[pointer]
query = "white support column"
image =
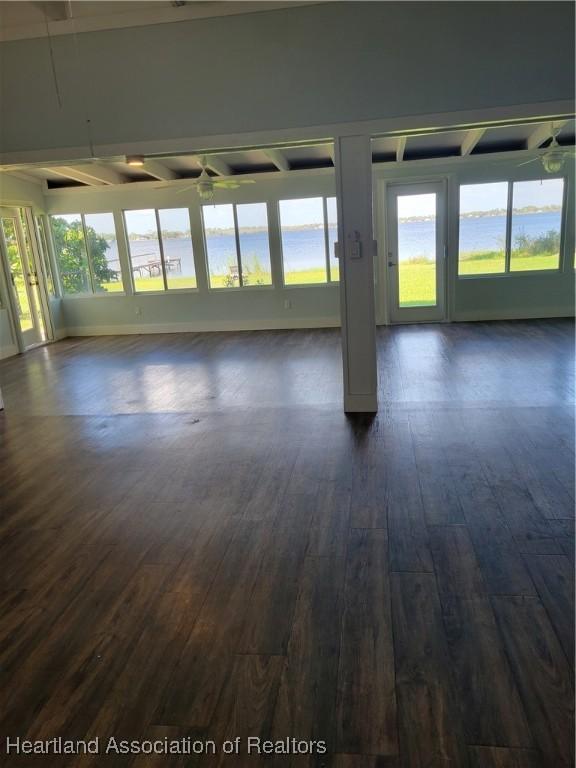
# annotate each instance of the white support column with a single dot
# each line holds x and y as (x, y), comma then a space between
(353, 161)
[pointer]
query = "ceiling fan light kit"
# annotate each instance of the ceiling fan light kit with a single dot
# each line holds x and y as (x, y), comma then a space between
(205, 186)
(553, 161)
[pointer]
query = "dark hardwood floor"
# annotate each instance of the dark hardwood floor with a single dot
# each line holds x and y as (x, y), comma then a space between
(196, 542)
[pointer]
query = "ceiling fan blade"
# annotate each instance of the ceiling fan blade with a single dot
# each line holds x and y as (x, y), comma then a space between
(168, 185)
(226, 184)
(185, 189)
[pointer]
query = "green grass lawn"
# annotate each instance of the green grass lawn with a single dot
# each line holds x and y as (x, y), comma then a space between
(417, 284)
(417, 278)
(493, 263)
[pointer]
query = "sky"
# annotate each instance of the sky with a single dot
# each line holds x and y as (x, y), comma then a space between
(292, 212)
(486, 197)
(304, 211)
(308, 211)
(142, 222)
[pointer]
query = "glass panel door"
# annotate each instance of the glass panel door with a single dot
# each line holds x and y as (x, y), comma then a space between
(23, 279)
(415, 258)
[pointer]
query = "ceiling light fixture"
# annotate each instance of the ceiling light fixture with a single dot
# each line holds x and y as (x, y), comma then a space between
(136, 161)
(205, 186)
(553, 160)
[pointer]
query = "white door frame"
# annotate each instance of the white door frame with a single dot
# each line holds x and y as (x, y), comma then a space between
(41, 256)
(33, 272)
(424, 314)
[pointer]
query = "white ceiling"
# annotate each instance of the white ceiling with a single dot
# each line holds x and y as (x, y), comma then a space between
(23, 20)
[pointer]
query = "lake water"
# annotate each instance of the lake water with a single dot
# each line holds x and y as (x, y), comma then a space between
(305, 248)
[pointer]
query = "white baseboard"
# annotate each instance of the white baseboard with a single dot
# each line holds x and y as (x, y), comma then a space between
(202, 327)
(8, 351)
(270, 325)
(514, 314)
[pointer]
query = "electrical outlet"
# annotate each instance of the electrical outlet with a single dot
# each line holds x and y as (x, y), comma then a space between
(287, 304)
(138, 310)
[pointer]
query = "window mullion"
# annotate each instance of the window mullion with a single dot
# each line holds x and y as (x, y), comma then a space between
(161, 247)
(326, 239)
(238, 254)
(87, 250)
(509, 227)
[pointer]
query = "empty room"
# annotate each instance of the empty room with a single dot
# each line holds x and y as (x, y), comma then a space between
(287, 384)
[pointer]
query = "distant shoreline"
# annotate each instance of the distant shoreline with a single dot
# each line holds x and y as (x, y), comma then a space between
(494, 213)
(529, 210)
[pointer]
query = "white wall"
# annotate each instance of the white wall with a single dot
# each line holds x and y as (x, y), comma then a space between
(15, 191)
(7, 343)
(307, 66)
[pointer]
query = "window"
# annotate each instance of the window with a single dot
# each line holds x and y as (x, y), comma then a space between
(18, 276)
(237, 245)
(177, 247)
(144, 246)
(86, 254)
(45, 256)
(71, 255)
(103, 253)
(160, 246)
(308, 226)
(510, 227)
(252, 221)
(482, 241)
(417, 249)
(536, 225)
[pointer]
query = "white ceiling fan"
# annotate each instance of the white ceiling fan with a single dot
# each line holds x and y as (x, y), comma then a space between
(554, 156)
(206, 184)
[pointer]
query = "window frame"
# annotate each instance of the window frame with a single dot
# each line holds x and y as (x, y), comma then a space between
(51, 276)
(166, 288)
(508, 273)
(91, 294)
(63, 293)
(240, 285)
(329, 281)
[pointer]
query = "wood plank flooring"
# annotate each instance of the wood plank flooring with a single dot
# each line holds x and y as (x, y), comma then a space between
(196, 542)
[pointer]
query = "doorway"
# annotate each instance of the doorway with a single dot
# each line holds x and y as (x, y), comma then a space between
(416, 255)
(22, 274)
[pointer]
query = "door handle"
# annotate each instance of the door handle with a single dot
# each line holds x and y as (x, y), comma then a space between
(391, 263)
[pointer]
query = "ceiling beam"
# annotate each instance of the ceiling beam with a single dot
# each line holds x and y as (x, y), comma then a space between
(218, 165)
(279, 159)
(25, 177)
(400, 148)
(93, 175)
(470, 140)
(55, 11)
(331, 152)
(159, 171)
(543, 133)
